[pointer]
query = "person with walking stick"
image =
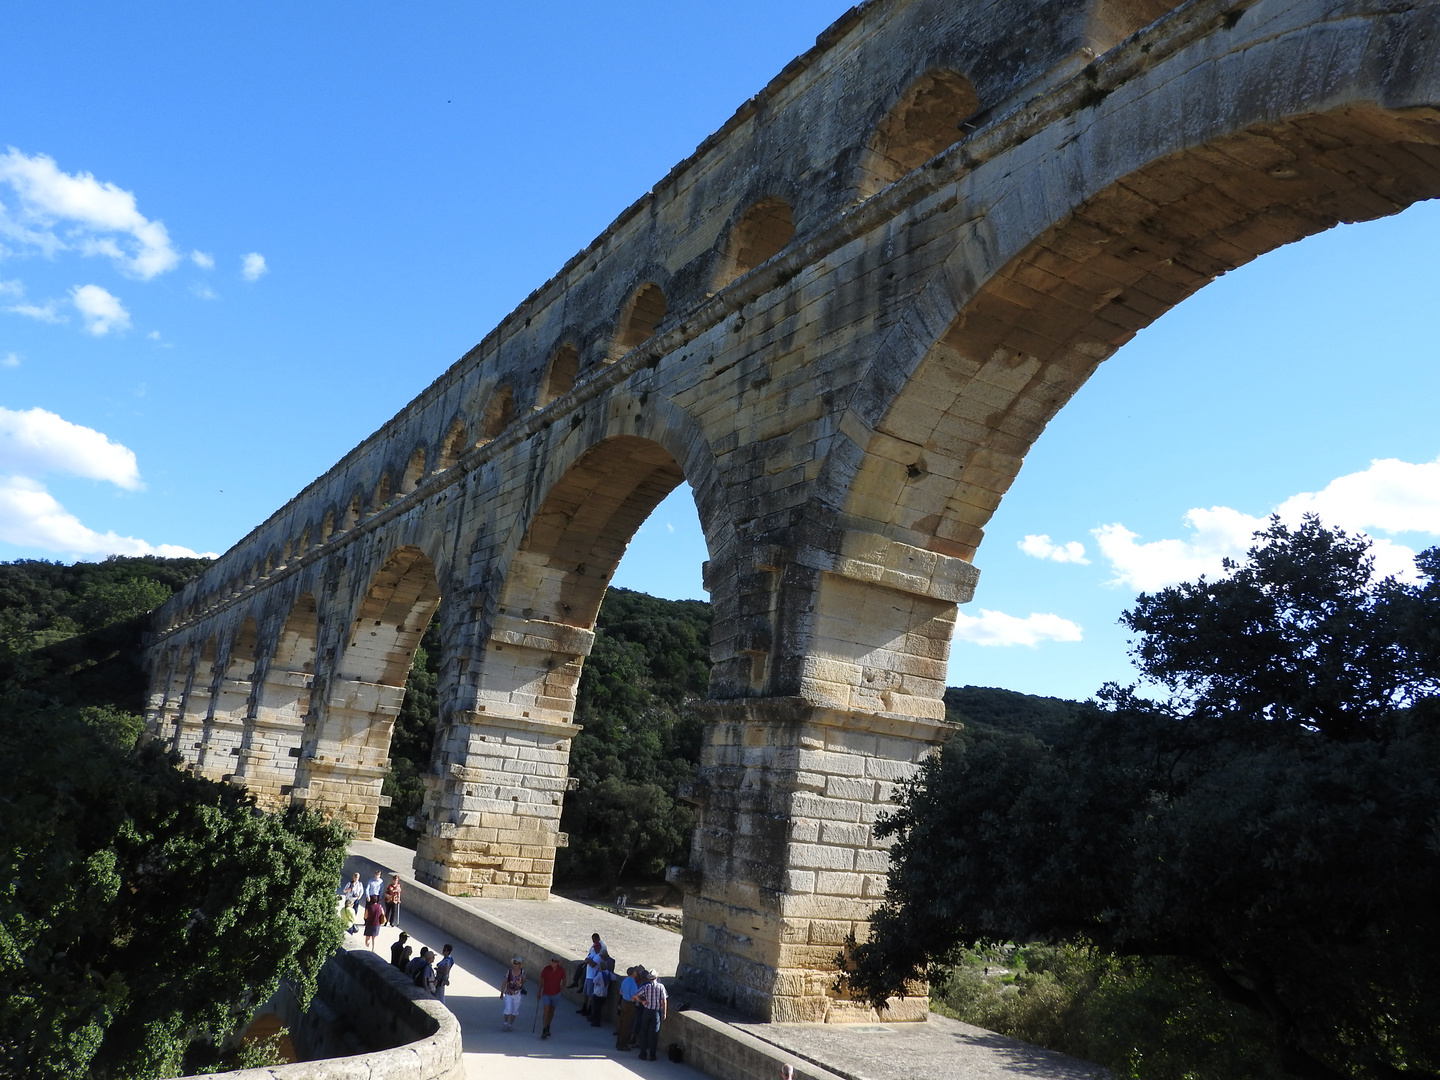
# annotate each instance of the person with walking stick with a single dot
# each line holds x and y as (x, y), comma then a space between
(552, 982)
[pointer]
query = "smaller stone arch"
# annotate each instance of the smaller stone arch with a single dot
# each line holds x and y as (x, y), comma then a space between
(1112, 21)
(924, 121)
(498, 414)
(414, 471)
(352, 514)
(560, 377)
(276, 727)
(760, 234)
(327, 525)
(639, 317)
(452, 447)
(303, 544)
(195, 705)
(380, 497)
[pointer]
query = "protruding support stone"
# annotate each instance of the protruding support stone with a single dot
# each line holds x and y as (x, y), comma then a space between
(785, 864)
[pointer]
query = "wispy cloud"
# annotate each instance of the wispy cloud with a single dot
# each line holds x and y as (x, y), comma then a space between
(10, 360)
(1040, 547)
(997, 628)
(101, 311)
(46, 312)
(1391, 496)
(51, 211)
(252, 266)
(202, 260)
(204, 292)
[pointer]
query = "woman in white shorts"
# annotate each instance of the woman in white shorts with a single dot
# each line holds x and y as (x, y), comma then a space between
(511, 991)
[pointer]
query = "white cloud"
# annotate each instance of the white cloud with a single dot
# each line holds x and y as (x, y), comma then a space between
(1040, 547)
(97, 218)
(101, 311)
(9, 360)
(36, 441)
(1390, 496)
(204, 292)
(997, 628)
(202, 260)
(12, 288)
(252, 266)
(46, 312)
(31, 517)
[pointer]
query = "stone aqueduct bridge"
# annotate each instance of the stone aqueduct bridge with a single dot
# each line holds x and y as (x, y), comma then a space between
(843, 321)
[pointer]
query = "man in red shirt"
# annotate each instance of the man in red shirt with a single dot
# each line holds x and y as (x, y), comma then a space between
(552, 982)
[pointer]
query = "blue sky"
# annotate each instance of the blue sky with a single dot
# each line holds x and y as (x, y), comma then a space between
(234, 241)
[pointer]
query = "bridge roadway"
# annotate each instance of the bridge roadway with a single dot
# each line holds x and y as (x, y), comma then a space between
(940, 1049)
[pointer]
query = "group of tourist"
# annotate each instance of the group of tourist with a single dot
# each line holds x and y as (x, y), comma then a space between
(372, 903)
(641, 1002)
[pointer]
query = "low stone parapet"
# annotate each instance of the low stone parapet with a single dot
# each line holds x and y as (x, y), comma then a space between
(368, 1020)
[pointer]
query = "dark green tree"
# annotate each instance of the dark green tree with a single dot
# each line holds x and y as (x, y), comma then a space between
(144, 912)
(1271, 826)
(411, 742)
(640, 739)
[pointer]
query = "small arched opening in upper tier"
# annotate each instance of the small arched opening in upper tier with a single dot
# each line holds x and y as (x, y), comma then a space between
(925, 121)
(414, 471)
(380, 498)
(452, 447)
(352, 515)
(560, 379)
(760, 234)
(498, 414)
(640, 316)
(1112, 21)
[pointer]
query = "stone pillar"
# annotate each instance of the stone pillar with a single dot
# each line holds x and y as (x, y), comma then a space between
(785, 865)
(492, 810)
(344, 759)
(225, 729)
(845, 634)
(274, 735)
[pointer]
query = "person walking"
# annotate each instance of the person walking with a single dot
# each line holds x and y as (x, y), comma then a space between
(511, 990)
(552, 982)
(355, 894)
(374, 919)
(374, 887)
(625, 1015)
(653, 1004)
(392, 901)
(442, 971)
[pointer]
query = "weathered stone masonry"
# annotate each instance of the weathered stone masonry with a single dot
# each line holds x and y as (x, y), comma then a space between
(843, 321)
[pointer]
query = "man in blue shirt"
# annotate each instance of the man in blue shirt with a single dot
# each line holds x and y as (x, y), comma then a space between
(625, 1021)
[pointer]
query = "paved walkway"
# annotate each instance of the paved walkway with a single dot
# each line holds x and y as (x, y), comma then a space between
(940, 1048)
(574, 1048)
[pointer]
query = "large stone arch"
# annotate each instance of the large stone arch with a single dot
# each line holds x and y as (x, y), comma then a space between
(344, 754)
(499, 771)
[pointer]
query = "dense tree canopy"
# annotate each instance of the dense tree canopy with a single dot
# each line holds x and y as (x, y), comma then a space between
(145, 911)
(1272, 824)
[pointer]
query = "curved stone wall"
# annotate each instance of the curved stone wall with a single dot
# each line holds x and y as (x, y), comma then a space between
(364, 1004)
